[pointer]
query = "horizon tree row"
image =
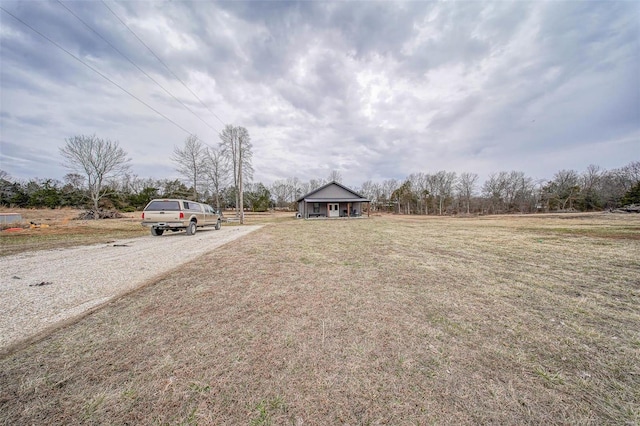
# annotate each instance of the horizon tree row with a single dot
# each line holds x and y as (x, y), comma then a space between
(445, 192)
(129, 193)
(506, 192)
(211, 179)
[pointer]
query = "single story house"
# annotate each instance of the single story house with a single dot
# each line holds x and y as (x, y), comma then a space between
(331, 200)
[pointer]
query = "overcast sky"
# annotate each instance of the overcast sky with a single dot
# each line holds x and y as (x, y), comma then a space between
(375, 90)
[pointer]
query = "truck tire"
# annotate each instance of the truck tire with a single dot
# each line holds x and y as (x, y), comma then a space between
(191, 229)
(157, 232)
(218, 225)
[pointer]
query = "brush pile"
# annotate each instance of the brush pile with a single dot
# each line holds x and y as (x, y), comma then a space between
(99, 214)
(631, 208)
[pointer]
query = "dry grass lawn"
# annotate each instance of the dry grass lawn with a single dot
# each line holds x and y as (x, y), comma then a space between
(390, 320)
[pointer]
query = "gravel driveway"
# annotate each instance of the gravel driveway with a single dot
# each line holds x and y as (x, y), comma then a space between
(43, 288)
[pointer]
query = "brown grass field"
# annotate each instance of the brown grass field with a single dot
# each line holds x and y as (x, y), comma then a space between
(389, 320)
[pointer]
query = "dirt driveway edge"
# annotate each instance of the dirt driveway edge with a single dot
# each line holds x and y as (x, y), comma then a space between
(43, 291)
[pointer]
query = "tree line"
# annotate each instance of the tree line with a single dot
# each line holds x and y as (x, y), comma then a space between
(507, 192)
(222, 176)
(101, 177)
(447, 193)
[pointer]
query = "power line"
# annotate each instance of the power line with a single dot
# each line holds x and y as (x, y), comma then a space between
(95, 70)
(136, 65)
(160, 60)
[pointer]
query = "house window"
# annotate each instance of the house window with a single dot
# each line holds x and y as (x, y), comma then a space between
(316, 207)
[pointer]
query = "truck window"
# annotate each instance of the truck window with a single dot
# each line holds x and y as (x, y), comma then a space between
(163, 206)
(192, 207)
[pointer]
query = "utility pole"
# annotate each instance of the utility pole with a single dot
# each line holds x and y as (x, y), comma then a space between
(240, 179)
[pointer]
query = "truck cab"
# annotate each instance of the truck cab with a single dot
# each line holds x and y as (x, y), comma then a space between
(175, 215)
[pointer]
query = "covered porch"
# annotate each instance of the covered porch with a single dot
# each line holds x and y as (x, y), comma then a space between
(333, 209)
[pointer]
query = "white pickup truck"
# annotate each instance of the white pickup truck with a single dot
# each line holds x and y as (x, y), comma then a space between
(174, 215)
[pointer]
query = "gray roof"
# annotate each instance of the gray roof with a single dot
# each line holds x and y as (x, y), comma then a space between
(333, 191)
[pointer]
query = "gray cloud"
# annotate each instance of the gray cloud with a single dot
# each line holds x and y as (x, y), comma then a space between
(376, 90)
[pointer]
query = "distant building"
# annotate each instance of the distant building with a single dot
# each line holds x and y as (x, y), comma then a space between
(331, 200)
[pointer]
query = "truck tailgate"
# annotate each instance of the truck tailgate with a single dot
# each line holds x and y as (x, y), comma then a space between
(165, 216)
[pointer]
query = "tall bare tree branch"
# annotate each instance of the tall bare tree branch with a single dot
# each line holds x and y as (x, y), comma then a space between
(98, 159)
(191, 161)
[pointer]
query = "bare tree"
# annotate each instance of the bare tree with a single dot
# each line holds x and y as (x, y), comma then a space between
(286, 192)
(293, 186)
(615, 183)
(229, 150)
(191, 161)
(388, 187)
(335, 176)
(99, 159)
(526, 195)
(316, 183)
(632, 172)
(217, 172)
(235, 145)
(493, 192)
(466, 187)
(590, 181)
(431, 188)
(372, 191)
(509, 191)
(518, 192)
(420, 192)
(279, 192)
(444, 184)
(129, 184)
(76, 180)
(564, 187)
(304, 188)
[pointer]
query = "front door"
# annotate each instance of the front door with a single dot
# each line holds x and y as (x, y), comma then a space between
(333, 210)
